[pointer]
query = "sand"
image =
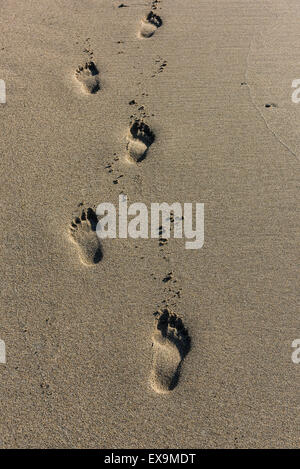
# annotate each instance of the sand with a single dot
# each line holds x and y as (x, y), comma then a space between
(142, 343)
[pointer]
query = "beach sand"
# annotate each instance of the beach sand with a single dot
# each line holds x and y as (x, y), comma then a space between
(89, 363)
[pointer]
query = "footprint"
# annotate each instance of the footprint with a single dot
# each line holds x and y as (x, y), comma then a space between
(150, 24)
(83, 234)
(88, 76)
(139, 139)
(171, 344)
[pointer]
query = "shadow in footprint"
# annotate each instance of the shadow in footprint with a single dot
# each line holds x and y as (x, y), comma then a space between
(88, 76)
(83, 234)
(171, 345)
(139, 139)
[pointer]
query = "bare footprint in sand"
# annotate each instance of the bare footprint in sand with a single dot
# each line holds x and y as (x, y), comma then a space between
(88, 76)
(150, 24)
(171, 344)
(83, 234)
(139, 139)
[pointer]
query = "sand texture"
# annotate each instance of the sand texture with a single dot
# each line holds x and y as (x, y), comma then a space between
(141, 343)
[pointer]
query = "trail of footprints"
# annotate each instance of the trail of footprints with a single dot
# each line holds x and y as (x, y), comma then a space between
(171, 341)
